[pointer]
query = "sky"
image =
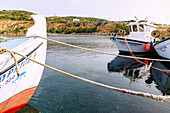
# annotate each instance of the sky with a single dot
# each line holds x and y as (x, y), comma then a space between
(115, 10)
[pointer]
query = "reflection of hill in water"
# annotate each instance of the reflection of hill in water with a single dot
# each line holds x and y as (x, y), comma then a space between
(28, 109)
(135, 70)
(129, 67)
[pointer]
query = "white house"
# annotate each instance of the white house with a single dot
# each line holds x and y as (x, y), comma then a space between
(76, 20)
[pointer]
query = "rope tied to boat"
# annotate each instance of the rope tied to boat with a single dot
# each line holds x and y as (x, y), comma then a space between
(13, 56)
(132, 56)
(165, 71)
(141, 94)
(87, 49)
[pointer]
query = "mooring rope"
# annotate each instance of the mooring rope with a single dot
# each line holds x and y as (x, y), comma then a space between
(132, 56)
(141, 94)
(17, 71)
(87, 49)
(127, 65)
(13, 56)
(165, 71)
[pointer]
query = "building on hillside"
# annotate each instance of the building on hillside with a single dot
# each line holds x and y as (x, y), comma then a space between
(76, 20)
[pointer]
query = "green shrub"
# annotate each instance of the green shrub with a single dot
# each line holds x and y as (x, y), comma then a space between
(69, 30)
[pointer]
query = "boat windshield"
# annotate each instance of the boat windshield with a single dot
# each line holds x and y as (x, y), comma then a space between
(135, 28)
(141, 27)
(130, 30)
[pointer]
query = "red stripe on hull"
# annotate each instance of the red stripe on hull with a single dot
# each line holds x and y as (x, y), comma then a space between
(17, 101)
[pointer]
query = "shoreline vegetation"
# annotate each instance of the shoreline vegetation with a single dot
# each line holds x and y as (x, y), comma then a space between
(16, 22)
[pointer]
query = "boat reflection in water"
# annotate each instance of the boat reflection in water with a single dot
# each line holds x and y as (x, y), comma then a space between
(129, 67)
(133, 70)
(28, 109)
(161, 79)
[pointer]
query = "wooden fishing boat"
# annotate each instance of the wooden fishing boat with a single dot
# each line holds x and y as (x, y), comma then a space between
(139, 40)
(15, 91)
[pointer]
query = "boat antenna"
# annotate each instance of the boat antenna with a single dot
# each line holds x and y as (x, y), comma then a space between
(146, 19)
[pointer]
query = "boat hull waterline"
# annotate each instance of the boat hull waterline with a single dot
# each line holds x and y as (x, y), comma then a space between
(18, 91)
(138, 47)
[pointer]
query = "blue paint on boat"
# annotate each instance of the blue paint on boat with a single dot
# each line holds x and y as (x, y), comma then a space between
(12, 43)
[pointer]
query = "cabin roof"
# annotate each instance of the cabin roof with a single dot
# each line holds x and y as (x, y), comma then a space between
(144, 23)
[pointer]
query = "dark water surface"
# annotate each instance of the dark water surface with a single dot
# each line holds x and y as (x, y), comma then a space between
(58, 93)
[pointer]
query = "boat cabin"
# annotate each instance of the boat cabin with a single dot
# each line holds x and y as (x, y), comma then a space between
(141, 30)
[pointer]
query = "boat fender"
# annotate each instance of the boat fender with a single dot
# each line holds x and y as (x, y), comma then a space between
(147, 46)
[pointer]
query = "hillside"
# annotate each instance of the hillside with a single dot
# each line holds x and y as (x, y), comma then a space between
(16, 22)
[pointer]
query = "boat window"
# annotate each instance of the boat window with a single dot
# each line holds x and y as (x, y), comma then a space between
(130, 30)
(141, 27)
(135, 28)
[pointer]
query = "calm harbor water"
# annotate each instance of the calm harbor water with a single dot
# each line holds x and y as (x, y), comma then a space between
(58, 93)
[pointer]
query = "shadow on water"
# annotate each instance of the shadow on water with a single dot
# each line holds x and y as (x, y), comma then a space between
(28, 109)
(134, 70)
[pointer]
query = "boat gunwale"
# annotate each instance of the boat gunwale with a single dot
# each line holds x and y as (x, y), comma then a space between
(22, 40)
(20, 60)
(162, 41)
(121, 38)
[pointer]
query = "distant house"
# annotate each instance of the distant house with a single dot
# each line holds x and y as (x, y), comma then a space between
(76, 20)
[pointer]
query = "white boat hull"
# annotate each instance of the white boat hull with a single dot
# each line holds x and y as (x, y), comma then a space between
(16, 91)
(134, 45)
(163, 48)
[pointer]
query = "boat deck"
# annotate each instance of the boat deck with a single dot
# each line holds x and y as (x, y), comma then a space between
(12, 43)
